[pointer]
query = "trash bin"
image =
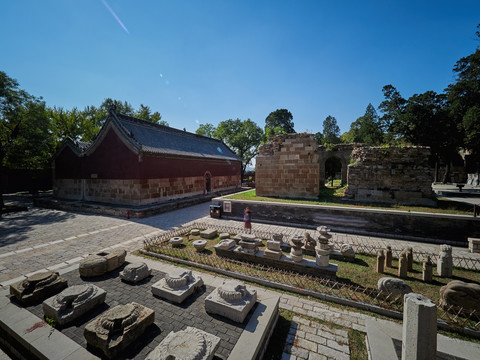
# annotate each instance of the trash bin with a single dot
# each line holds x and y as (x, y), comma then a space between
(216, 211)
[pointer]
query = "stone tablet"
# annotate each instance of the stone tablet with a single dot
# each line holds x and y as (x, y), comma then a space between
(135, 272)
(191, 343)
(114, 330)
(396, 287)
(232, 300)
(73, 302)
(208, 233)
(177, 285)
(38, 287)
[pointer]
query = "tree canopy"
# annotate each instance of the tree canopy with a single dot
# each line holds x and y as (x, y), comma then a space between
(331, 131)
(279, 121)
(242, 136)
(366, 129)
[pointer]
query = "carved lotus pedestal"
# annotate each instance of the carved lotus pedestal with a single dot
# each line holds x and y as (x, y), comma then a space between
(191, 344)
(101, 263)
(38, 287)
(118, 327)
(177, 285)
(73, 302)
(232, 300)
(135, 272)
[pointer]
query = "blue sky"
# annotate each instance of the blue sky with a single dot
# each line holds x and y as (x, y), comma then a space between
(207, 61)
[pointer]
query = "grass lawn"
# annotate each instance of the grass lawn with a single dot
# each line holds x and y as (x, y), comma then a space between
(333, 196)
(360, 272)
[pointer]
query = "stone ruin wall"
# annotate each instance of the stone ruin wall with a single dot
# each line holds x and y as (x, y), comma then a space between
(391, 174)
(288, 166)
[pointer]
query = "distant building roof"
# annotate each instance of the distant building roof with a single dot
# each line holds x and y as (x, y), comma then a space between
(146, 137)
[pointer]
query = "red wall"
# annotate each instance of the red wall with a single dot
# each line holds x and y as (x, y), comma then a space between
(112, 159)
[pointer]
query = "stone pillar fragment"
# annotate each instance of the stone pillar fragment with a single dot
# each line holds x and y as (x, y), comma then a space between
(419, 337)
(427, 270)
(410, 258)
(388, 257)
(402, 265)
(380, 261)
(445, 261)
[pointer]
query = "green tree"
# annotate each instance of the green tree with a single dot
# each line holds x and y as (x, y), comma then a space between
(25, 138)
(206, 130)
(279, 121)
(464, 99)
(392, 107)
(366, 129)
(242, 136)
(331, 131)
(144, 113)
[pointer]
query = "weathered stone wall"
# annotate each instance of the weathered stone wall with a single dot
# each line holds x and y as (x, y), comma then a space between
(139, 191)
(391, 174)
(288, 166)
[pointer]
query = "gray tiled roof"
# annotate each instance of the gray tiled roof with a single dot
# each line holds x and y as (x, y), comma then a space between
(159, 139)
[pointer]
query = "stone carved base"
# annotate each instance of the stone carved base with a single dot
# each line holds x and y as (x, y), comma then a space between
(190, 343)
(38, 287)
(232, 300)
(461, 294)
(101, 263)
(177, 286)
(394, 286)
(118, 327)
(73, 302)
(135, 272)
(272, 254)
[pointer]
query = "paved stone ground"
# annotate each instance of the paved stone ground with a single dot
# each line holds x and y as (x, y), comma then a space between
(314, 341)
(50, 239)
(168, 316)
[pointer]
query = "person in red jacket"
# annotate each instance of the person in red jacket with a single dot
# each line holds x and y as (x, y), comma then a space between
(247, 220)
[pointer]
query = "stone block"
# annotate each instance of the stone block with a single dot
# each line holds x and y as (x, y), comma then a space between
(73, 302)
(232, 300)
(135, 272)
(176, 241)
(199, 245)
(177, 285)
(224, 236)
(419, 336)
(38, 287)
(474, 245)
(272, 254)
(118, 327)
(101, 263)
(445, 261)
(226, 244)
(208, 233)
(190, 343)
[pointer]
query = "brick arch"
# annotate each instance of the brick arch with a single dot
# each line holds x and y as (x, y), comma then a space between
(342, 152)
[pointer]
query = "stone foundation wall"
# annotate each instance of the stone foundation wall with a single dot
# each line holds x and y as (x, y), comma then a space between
(138, 191)
(391, 175)
(288, 166)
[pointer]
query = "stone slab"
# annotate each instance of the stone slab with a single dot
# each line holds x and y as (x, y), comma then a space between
(190, 343)
(118, 327)
(384, 342)
(161, 289)
(208, 233)
(38, 287)
(235, 309)
(73, 302)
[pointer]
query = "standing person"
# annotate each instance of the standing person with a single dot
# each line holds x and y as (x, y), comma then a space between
(247, 219)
